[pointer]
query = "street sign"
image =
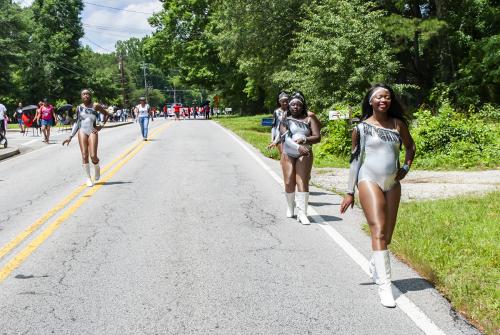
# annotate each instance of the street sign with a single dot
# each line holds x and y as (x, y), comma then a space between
(267, 122)
(228, 109)
(337, 115)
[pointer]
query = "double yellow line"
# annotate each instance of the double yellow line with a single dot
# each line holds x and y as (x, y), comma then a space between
(21, 256)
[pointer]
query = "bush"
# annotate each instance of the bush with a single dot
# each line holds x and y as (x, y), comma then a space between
(452, 140)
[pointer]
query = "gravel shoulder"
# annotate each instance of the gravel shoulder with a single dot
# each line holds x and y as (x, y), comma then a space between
(421, 184)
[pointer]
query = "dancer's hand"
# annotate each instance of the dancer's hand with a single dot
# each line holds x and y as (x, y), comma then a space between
(272, 145)
(304, 151)
(347, 202)
(401, 174)
(96, 129)
(66, 141)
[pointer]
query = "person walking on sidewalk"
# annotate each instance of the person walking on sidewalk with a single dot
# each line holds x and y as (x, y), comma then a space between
(375, 169)
(47, 118)
(299, 132)
(143, 113)
(3, 126)
(87, 129)
(19, 117)
(282, 104)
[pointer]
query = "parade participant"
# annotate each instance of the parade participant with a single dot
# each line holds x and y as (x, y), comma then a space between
(19, 117)
(177, 111)
(299, 131)
(87, 129)
(282, 104)
(143, 112)
(376, 142)
(47, 118)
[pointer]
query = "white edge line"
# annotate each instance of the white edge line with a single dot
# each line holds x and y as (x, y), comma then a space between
(420, 319)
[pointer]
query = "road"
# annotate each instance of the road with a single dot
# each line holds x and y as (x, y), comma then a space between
(186, 234)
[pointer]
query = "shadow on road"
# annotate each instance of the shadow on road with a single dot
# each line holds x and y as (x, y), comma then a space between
(116, 183)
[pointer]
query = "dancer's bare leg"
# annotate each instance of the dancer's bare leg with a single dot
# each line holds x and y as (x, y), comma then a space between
(392, 198)
(92, 145)
(373, 203)
(303, 168)
(288, 167)
(83, 141)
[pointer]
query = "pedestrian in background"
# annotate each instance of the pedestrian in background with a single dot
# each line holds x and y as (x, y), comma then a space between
(299, 131)
(375, 170)
(47, 118)
(19, 117)
(143, 113)
(3, 125)
(86, 127)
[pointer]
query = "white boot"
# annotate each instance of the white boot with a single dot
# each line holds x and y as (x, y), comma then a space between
(371, 270)
(97, 172)
(86, 171)
(290, 199)
(383, 275)
(302, 203)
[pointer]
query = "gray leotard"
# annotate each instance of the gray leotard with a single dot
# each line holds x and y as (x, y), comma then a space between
(375, 157)
(85, 120)
(275, 130)
(296, 129)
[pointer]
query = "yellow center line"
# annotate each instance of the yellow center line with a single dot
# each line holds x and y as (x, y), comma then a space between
(38, 223)
(20, 257)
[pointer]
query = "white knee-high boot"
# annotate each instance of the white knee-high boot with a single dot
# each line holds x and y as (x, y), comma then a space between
(383, 277)
(371, 270)
(86, 171)
(97, 172)
(302, 203)
(290, 199)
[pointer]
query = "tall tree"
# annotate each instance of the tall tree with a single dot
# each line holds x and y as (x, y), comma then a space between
(53, 60)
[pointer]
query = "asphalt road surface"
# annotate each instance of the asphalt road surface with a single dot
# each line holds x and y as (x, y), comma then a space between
(186, 234)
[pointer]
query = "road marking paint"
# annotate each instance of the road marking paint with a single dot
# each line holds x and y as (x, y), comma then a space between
(21, 256)
(59, 206)
(418, 317)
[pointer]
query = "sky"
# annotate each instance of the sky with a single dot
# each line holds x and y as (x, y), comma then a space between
(104, 26)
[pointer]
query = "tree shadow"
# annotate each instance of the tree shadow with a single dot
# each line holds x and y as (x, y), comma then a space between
(319, 204)
(115, 183)
(318, 193)
(412, 284)
(325, 218)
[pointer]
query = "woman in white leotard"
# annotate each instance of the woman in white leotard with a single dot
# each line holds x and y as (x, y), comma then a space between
(87, 129)
(282, 105)
(299, 131)
(375, 169)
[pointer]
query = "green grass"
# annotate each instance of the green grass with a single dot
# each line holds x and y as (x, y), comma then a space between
(249, 128)
(455, 244)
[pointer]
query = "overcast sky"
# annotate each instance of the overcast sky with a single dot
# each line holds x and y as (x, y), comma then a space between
(104, 26)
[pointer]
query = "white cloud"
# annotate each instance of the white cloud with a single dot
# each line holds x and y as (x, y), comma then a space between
(105, 26)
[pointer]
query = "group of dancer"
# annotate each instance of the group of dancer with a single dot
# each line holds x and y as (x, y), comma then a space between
(374, 167)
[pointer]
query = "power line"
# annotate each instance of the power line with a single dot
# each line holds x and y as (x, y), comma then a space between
(115, 8)
(94, 43)
(126, 30)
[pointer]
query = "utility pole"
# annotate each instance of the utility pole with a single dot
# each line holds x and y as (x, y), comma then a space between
(122, 80)
(144, 67)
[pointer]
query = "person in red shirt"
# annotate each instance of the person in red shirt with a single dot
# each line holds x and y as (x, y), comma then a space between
(177, 111)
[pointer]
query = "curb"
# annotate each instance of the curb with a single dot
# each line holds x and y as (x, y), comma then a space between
(117, 124)
(8, 152)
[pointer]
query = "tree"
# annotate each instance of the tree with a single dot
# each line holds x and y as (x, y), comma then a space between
(53, 66)
(339, 52)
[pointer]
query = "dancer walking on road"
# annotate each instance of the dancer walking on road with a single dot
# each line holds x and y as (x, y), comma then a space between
(299, 132)
(87, 129)
(376, 142)
(282, 104)
(143, 113)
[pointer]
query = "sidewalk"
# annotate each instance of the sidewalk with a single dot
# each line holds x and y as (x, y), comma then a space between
(420, 184)
(13, 150)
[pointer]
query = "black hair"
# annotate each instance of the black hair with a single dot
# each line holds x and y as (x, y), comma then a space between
(396, 109)
(299, 95)
(281, 95)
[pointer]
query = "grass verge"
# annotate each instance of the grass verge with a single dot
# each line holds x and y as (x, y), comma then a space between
(249, 128)
(454, 243)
